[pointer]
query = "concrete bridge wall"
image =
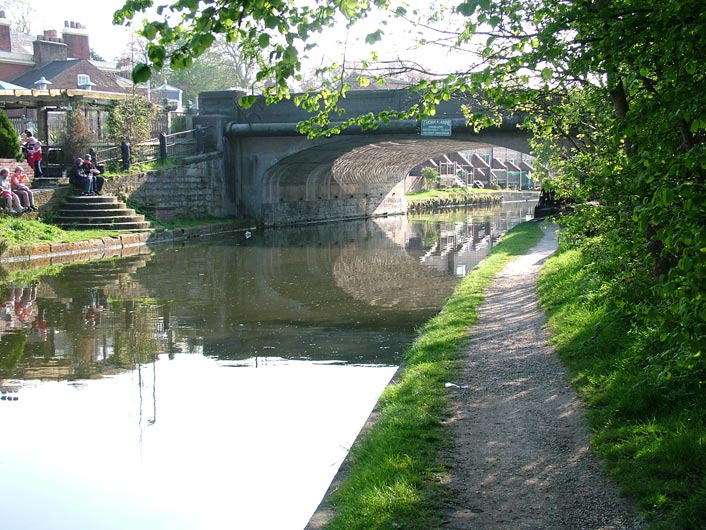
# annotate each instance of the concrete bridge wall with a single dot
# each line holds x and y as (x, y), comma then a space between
(278, 176)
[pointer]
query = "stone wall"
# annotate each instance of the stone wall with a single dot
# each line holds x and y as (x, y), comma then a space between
(337, 209)
(195, 189)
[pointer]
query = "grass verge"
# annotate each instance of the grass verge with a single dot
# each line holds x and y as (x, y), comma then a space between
(18, 232)
(393, 480)
(429, 194)
(27, 232)
(648, 427)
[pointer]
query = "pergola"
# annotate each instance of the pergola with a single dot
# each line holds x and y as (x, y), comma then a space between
(53, 100)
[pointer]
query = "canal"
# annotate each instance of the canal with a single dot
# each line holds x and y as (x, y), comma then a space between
(216, 384)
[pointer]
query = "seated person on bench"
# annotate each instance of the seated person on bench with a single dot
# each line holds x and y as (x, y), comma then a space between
(90, 167)
(80, 178)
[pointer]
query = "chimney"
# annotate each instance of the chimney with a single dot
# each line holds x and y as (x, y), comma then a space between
(5, 41)
(47, 48)
(76, 38)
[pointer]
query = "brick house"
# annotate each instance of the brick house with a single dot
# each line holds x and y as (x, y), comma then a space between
(55, 73)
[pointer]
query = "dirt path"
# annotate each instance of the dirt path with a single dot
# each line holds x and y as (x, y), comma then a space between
(521, 457)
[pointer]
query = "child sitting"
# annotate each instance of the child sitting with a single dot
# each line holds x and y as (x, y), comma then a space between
(17, 184)
(11, 199)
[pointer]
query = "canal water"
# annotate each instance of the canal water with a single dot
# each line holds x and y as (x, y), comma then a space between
(218, 384)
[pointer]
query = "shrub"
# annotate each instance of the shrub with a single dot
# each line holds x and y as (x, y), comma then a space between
(131, 119)
(9, 141)
(76, 137)
(431, 177)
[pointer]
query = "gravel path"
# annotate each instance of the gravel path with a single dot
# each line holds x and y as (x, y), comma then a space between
(521, 457)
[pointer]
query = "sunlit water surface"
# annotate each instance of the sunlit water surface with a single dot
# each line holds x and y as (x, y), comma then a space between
(214, 385)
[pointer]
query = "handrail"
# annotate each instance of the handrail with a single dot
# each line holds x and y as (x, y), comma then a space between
(174, 145)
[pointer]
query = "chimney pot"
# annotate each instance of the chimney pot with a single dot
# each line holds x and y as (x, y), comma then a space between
(76, 38)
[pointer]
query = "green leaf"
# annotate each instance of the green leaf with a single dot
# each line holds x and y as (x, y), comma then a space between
(156, 54)
(141, 73)
(372, 38)
(349, 8)
(467, 9)
(363, 81)
(149, 31)
(247, 101)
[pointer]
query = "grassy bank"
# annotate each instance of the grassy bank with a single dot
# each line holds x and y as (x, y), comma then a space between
(17, 231)
(649, 424)
(393, 481)
(432, 194)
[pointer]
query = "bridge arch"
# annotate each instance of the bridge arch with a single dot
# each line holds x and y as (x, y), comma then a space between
(280, 177)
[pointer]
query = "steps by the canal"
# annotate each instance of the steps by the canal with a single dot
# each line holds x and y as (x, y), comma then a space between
(103, 212)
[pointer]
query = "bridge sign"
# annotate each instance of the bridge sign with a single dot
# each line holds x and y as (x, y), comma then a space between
(436, 128)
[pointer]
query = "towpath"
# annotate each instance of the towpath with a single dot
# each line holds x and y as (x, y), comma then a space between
(521, 458)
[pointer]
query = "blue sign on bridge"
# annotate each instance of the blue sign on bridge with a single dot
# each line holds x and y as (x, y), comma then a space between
(436, 127)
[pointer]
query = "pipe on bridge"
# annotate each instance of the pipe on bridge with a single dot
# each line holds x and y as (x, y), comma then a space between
(235, 129)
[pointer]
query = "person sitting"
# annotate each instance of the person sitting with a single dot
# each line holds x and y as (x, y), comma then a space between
(18, 186)
(12, 201)
(80, 178)
(90, 167)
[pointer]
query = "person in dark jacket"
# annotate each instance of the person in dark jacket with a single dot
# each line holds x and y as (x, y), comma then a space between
(90, 168)
(80, 178)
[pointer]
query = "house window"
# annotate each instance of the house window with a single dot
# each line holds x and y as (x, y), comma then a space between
(84, 81)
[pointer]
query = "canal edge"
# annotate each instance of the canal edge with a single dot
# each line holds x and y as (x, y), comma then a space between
(324, 512)
(111, 246)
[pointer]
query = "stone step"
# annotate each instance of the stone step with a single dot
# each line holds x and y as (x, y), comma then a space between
(99, 211)
(103, 221)
(84, 200)
(88, 205)
(129, 226)
(49, 182)
(95, 212)
(129, 216)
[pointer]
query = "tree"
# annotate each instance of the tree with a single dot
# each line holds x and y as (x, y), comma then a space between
(95, 56)
(221, 67)
(272, 32)
(19, 13)
(9, 141)
(76, 137)
(131, 119)
(431, 177)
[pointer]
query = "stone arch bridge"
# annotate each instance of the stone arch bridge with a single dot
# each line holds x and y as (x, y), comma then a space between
(278, 176)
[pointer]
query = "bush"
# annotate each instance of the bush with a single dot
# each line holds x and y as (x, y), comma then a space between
(431, 178)
(76, 136)
(131, 119)
(9, 141)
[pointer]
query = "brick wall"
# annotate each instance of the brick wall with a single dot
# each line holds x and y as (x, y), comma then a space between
(5, 42)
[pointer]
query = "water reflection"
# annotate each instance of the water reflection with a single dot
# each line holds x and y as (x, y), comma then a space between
(458, 240)
(251, 362)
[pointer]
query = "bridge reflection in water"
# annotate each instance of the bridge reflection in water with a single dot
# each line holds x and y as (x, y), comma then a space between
(211, 378)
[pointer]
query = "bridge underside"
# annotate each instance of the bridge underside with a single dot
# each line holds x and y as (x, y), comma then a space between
(348, 177)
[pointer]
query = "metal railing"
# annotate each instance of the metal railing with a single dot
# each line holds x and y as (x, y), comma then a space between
(123, 155)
